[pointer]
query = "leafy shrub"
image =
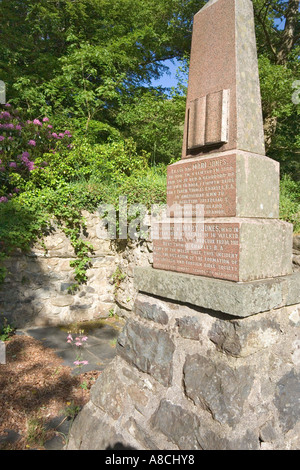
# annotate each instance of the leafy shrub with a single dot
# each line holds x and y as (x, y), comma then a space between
(43, 176)
(22, 146)
(290, 202)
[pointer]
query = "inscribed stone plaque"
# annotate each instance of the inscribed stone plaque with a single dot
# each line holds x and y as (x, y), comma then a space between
(237, 184)
(218, 258)
(211, 182)
(234, 248)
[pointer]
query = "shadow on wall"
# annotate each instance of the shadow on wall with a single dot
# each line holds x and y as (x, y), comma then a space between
(36, 288)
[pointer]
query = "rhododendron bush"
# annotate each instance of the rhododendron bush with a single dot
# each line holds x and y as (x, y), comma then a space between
(25, 148)
(48, 175)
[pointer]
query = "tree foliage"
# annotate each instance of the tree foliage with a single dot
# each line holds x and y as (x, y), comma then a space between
(278, 39)
(88, 65)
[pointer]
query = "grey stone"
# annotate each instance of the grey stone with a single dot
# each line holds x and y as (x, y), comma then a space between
(296, 242)
(141, 435)
(234, 298)
(63, 301)
(296, 260)
(217, 387)
(180, 426)
(240, 338)
(287, 400)
(92, 430)
(267, 432)
(150, 350)
(214, 441)
(81, 306)
(109, 393)
(189, 327)
(151, 311)
(64, 286)
(9, 438)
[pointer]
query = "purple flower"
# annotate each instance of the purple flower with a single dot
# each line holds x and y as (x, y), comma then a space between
(54, 135)
(37, 122)
(10, 126)
(45, 119)
(25, 154)
(18, 127)
(16, 190)
(32, 142)
(1, 138)
(2, 168)
(3, 199)
(28, 122)
(13, 165)
(49, 126)
(5, 114)
(7, 105)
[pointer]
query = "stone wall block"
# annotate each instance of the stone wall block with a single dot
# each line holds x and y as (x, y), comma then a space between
(148, 349)
(217, 387)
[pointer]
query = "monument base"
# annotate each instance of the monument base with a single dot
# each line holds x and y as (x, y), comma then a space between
(240, 299)
(185, 378)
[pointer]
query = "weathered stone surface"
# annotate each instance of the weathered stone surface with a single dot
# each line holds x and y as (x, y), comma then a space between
(151, 310)
(296, 242)
(40, 281)
(241, 338)
(93, 430)
(141, 435)
(287, 400)
(236, 249)
(223, 57)
(189, 327)
(62, 301)
(244, 399)
(109, 393)
(180, 426)
(148, 349)
(236, 184)
(213, 441)
(217, 387)
(236, 299)
(267, 432)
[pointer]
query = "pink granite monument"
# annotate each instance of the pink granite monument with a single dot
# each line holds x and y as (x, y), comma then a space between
(223, 165)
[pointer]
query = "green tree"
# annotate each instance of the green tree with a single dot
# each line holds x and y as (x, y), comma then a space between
(278, 38)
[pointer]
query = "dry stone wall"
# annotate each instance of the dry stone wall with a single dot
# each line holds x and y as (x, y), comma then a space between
(36, 288)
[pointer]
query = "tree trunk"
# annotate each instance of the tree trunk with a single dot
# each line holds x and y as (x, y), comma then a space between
(289, 37)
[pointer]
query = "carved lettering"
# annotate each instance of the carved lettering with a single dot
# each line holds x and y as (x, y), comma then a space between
(211, 182)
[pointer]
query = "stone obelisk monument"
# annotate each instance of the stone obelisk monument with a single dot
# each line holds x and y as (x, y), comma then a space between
(209, 358)
(223, 166)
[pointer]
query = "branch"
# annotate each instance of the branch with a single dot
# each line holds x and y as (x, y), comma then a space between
(267, 35)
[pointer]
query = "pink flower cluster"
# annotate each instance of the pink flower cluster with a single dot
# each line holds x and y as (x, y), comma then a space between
(79, 342)
(17, 134)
